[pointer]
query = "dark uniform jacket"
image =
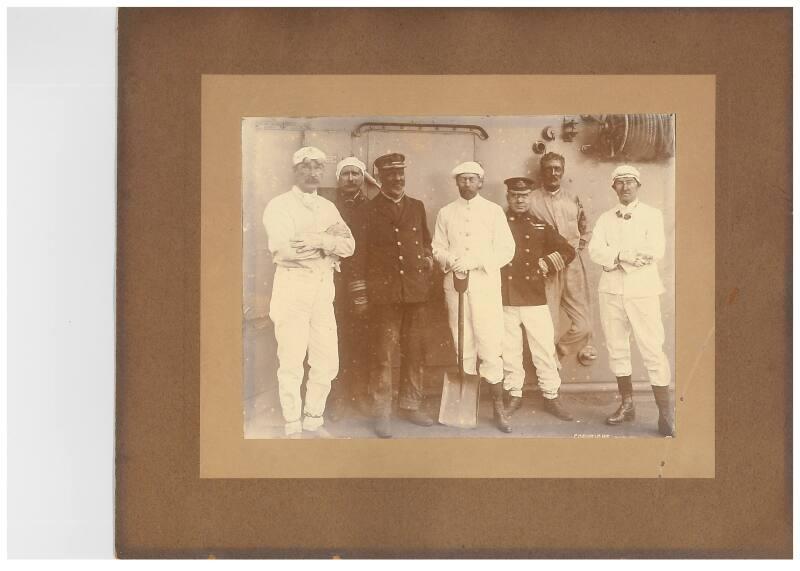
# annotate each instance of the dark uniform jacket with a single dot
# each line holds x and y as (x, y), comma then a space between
(347, 290)
(393, 250)
(523, 282)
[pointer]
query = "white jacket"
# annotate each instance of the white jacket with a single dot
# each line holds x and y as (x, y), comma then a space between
(293, 213)
(477, 229)
(643, 233)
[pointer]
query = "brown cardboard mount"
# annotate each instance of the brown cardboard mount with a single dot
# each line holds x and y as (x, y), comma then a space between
(225, 453)
(189, 485)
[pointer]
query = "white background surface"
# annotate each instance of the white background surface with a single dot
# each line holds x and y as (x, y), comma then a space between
(61, 249)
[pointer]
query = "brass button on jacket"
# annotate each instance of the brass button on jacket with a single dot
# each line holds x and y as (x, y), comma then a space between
(387, 263)
(524, 284)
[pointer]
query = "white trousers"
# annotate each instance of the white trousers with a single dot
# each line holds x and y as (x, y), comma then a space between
(641, 315)
(483, 323)
(538, 325)
(302, 310)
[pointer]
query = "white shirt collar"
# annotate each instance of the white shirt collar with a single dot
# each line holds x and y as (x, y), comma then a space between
(296, 190)
(395, 200)
(477, 198)
(552, 194)
(629, 208)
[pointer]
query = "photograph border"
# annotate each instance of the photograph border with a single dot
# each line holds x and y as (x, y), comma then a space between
(224, 453)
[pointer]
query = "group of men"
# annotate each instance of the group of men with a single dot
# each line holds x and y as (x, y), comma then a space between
(353, 276)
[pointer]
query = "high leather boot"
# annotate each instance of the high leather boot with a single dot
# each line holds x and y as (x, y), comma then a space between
(626, 411)
(513, 405)
(556, 408)
(500, 418)
(666, 417)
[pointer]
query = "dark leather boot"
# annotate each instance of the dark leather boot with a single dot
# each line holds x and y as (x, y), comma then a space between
(336, 409)
(666, 417)
(626, 411)
(383, 426)
(416, 417)
(556, 408)
(500, 418)
(513, 405)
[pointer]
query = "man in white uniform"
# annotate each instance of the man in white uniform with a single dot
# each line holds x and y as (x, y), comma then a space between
(627, 242)
(306, 237)
(472, 235)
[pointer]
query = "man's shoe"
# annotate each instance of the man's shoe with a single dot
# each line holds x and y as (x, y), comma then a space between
(666, 417)
(500, 418)
(665, 427)
(320, 432)
(556, 408)
(293, 429)
(587, 356)
(501, 421)
(416, 416)
(626, 411)
(383, 426)
(513, 405)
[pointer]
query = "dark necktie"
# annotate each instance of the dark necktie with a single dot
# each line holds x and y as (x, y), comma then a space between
(626, 216)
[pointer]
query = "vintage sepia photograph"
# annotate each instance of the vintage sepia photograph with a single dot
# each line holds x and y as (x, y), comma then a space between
(459, 276)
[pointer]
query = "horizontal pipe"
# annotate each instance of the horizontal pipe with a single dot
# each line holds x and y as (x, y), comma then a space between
(442, 128)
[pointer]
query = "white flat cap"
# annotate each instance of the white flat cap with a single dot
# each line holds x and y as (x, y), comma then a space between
(625, 171)
(350, 162)
(469, 167)
(310, 153)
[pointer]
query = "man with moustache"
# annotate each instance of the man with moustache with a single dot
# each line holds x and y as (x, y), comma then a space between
(628, 241)
(472, 235)
(394, 260)
(540, 252)
(350, 385)
(306, 237)
(567, 289)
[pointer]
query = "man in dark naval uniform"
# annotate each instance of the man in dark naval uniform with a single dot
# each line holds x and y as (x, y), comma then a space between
(540, 252)
(394, 258)
(350, 386)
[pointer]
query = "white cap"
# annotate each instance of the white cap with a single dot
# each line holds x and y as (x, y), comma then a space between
(310, 153)
(350, 162)
(469, 167)
(625, 171)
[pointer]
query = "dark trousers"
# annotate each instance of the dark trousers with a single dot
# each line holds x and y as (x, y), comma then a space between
(353, 332)
(393, 325)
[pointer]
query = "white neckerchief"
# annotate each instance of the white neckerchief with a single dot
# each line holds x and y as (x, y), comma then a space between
(308, 199)
(629, 208)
